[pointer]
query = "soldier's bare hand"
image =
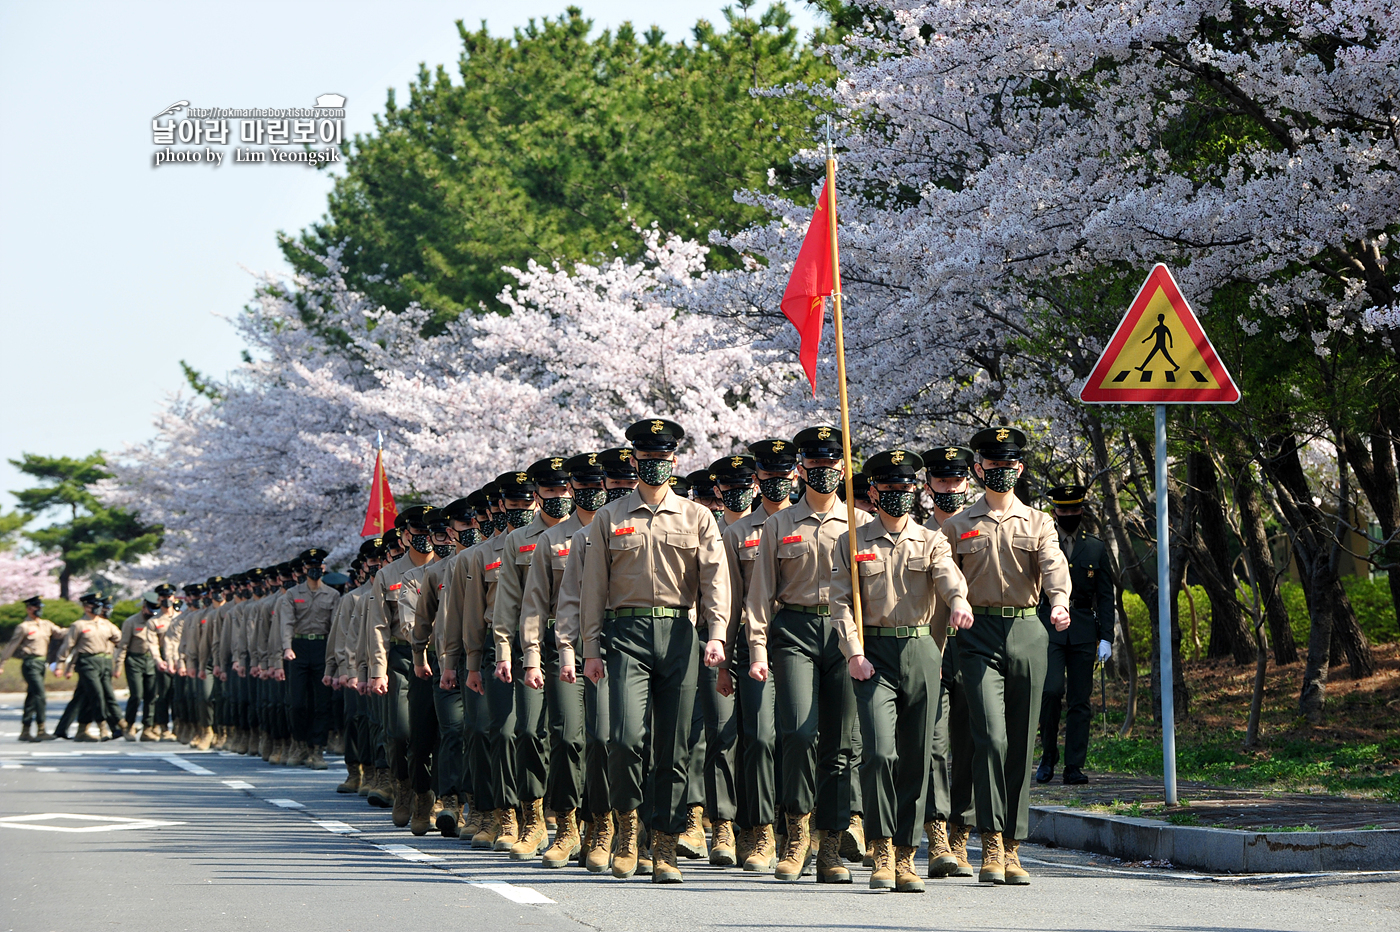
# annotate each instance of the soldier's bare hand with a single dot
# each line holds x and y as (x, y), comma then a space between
(474, 683)
(503, 671)
(961, 619)
(758, 670)
(724, 684)
(714, 653)
(568, 674)
(423, 671)
(379, 685)
(1059, 616)
(860, 667)
(534, 678)
(594, 670)
(289, 654)
(448, 681)
(328, 681)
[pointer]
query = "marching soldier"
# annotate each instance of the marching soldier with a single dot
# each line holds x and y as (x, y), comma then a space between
(158, 625)
(702, 490)
(30, 642)
(389, 630)
(1008, 554)
(949, 812)
(618, 479)
(1070, 670)
(135, 656)
(787, 610)
(88, 649)
(304, 622)
(756, 740)
(905, 570)
(655, 557)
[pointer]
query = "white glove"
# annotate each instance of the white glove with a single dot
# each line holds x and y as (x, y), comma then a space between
(1105, 651)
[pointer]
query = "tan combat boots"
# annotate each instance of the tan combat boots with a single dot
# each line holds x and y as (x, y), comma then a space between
(993, 866)
(691, 842)
(941, 860)
(797, 848)
(534, 834)
(600, 844)
(566, 841)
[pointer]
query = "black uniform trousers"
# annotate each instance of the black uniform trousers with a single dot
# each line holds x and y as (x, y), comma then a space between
(308, 699)
(140, 672)
(1069, 674)
(36, 701)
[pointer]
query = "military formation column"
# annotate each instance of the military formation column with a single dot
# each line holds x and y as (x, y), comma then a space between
(592, 662)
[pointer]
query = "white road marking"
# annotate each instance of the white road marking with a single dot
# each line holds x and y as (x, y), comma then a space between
(11, 766)
(183, 764)
(47, 769)
(339, 828)
(407, 853)
(105, 823)
(237, 784)
(286, 803)
(511, 892)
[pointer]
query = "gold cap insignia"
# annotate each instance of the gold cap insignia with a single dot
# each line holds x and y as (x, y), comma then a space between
(1002, 434)
(658, 426)
(557, 463)
(736, 461)
(951, 454)
(897, 457)
(593, 459)
(714, 478)
(778, 446)
(824, 433)
(522, 477)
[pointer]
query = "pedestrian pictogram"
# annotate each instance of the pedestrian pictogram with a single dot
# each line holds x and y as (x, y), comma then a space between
(1159, 354)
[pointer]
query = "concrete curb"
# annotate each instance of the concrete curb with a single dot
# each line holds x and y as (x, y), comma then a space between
(1214, 849)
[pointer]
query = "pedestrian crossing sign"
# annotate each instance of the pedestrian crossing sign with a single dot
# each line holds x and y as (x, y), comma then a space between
(1159, 354)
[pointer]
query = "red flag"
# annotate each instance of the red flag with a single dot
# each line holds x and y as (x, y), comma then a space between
(812, 281)
(382, 511)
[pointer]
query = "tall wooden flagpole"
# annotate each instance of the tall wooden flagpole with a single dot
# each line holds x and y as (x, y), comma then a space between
(379, 471)
(841, 381)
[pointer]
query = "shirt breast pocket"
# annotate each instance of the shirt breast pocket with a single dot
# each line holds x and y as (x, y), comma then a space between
(624, 550)
(918, 563)
(1025, 548)
(868, 568)
(973, 554)
(684, 541)
(794, 550)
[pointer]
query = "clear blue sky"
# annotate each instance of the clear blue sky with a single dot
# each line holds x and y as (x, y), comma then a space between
(112, 271)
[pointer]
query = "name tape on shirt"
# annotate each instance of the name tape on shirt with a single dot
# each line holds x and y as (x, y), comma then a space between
(396, 585)
(300, 601)
(527, 548)
(794, 539)
(563, 551)
(753, 543)
(972, 533)
(493, 566)
(617, 532)
(865, 557)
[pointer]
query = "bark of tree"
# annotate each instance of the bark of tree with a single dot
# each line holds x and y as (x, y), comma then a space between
(1261, 565)
(1208, 541)
(1375, 470)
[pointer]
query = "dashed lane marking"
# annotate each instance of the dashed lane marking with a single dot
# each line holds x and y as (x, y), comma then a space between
(286, 804)
(408, 853)
(511, 892)
(339, 828)
(37, 822)
(237, 784)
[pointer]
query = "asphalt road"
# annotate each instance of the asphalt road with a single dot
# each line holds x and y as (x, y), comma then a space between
(214, 841)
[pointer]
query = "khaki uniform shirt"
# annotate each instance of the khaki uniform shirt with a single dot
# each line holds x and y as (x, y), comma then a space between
(137, 639)
(30, 639)
(1008, 561)
(427, 614)
(471, 603)
(540, 600)
(567, 631)
(170, 638)
(793, 566)
(903, 578)
(269, 632)
(389, 617)
(518, 551)
(741, 542)
(94, 636)
(306, 612)
(670, 556)
(335, 639)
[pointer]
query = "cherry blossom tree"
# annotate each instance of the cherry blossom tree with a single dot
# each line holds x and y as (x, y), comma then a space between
(26, 574)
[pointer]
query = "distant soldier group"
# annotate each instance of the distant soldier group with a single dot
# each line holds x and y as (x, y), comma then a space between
(659, 668)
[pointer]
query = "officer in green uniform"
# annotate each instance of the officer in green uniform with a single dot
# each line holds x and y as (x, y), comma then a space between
(949, 813)
(906, 572)
(1072, 653)
(1009, 554)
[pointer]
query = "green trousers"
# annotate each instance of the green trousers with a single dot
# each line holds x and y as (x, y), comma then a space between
(815, 712)
(36, 701)
(308, 699)
(651, 673)
(140, 672)
(1003, 669)
(413, 732)
(756, 743)
(531, 735)
(95, 680)
(451, 756)
(476, 714)
(597, 722)
(1069, 673)
(950, 781)
(897, 707)
(501, 759)
(567, 709)
(721, 734)
(111, 708)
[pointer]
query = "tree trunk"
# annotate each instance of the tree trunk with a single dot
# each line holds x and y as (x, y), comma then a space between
(1130, 652)
(63, 578)
(1261, 567)
(1209, 543)
(1376, 474)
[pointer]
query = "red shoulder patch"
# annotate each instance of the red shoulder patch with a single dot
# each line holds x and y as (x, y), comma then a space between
(966, 534)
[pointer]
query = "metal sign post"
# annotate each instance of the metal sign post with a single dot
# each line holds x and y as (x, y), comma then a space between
(1164, 613)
